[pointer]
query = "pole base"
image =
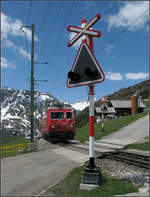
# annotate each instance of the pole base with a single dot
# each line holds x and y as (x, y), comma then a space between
(102, 130)
(31, 146)
(91, 176)
(88, 187)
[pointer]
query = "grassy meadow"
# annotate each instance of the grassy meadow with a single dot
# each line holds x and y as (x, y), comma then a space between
(82, 134)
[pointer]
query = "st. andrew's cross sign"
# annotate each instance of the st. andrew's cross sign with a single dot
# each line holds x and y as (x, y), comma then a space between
(86, 30)
(85, 69)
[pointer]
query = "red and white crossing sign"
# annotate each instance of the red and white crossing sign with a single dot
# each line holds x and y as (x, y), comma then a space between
(86, 30)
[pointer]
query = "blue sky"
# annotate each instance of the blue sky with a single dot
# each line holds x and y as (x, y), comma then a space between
(122, 51)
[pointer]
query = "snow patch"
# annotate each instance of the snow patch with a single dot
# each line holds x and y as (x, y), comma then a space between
(80, 105)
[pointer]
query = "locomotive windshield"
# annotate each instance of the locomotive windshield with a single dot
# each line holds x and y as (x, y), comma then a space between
(56, 115)
(69, 115)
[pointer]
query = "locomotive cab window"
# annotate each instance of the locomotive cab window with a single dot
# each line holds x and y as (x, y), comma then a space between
(56, 115)
(69, 115)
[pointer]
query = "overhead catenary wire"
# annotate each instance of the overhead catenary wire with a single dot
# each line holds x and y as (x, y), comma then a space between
(26, 38)
(50, 30)
(29, 13)
(43, 20)
(68, 60)
(119, 34)
(46, 39)
(60, 37)
(43, 23)
(62, 32)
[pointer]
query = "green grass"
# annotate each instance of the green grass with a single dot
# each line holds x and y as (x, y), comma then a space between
(147, 103)
(143, 146)
(69, 186)
(82, 134)
(11, 145)
(13, 140)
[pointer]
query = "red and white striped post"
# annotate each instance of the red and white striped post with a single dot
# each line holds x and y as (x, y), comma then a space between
(103, 100)
(102, 119)
(91, 127)
(91, 105)
(91, 174)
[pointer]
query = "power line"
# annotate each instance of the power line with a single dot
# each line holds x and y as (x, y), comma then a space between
(51, 28)
(58, 41)
(29, 13)
(60, 37)
(61, 32)
(43, 21)
(121, 32)
(60, 68)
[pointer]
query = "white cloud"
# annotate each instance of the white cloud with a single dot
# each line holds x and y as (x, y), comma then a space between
(11, 27)
(135, 76)
(128, 13)
(24, 53)
(109, 47)
(6, 63)
(113, 76)
(9, 44)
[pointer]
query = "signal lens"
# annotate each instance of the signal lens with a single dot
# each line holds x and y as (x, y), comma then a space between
(73, 76)
(91, 73)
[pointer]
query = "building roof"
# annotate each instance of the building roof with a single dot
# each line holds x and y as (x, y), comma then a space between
(124, 104)
(109, 110)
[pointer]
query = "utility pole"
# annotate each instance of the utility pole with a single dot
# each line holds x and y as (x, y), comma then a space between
(32, 82)
(31, 145)
(32, 86)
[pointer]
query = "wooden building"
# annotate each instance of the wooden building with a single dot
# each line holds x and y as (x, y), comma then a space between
(117, 108)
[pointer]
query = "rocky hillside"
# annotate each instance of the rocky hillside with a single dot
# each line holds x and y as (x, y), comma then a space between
(15, 109)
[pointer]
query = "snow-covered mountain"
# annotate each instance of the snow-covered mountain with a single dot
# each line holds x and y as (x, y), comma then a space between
(79, 106)
(15, 109)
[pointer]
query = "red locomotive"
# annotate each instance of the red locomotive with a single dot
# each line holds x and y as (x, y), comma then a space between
(58, 124)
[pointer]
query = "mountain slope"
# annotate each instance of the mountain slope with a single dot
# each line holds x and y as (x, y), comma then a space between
(15, 109)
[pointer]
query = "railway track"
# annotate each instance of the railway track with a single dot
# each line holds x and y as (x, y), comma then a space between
(102, 152)
(116, 154)
(128, 157)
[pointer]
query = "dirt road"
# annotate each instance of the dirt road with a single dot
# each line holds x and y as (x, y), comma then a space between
(132, 133)
(29, 174)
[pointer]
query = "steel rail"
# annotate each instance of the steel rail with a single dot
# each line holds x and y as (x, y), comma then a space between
(130, 158)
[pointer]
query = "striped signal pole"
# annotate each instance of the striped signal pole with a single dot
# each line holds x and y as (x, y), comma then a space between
(91, 104)
(103, 100)
(91, 127)
(90, 174)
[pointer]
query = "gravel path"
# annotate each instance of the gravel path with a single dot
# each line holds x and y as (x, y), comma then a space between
(132, 133)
